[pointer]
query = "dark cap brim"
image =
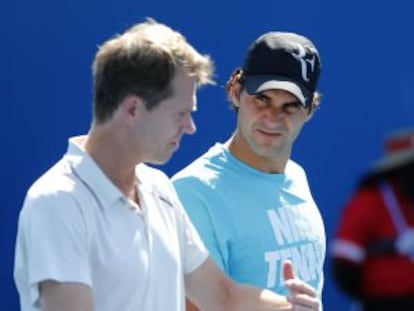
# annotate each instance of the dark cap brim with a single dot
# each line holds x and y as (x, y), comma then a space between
(259, 83)
(393, 161)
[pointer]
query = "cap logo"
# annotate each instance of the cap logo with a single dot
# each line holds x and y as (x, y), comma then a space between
(299, 54)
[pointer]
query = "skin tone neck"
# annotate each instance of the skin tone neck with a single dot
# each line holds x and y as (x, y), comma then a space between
(268, 123)
(240, 148)
(106, 144)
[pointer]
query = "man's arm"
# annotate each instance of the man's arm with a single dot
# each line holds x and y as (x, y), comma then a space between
(56, 296)
(210, 289)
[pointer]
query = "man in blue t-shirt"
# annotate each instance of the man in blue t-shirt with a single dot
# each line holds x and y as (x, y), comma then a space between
(249, 201)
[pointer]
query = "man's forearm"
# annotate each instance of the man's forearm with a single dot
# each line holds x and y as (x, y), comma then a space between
(248, 298)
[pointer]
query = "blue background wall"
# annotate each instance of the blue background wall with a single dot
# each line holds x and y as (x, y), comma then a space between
(47, 47)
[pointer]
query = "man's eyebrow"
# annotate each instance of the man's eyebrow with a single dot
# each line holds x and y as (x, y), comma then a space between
(291, 102)
(262, 94)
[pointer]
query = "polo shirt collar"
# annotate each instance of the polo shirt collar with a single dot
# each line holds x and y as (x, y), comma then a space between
(91, 174)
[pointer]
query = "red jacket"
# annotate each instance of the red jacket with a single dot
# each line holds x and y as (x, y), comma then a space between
(366, 220)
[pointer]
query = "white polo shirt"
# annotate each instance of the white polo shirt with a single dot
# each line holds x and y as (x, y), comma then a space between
(76, 226)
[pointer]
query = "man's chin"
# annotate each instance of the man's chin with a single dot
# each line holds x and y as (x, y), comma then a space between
(161, 160)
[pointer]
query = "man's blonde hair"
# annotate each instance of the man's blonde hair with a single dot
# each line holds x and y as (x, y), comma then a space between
(142, 61)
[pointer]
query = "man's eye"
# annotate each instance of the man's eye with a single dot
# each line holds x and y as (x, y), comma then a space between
(292, 108)
(261, 99)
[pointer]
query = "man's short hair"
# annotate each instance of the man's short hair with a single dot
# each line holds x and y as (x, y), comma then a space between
(142, 61)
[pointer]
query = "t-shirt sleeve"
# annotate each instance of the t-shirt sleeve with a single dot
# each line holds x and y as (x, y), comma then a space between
(52, 243)
(194, 198)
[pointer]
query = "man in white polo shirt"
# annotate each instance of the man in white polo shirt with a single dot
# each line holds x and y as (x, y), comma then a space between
(103, 231)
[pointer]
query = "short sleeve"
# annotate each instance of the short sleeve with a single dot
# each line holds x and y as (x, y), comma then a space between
(195, 203)
(52, 243)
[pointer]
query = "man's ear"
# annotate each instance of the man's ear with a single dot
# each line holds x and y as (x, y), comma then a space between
(315, 106)
(234, 93)
(132, 106)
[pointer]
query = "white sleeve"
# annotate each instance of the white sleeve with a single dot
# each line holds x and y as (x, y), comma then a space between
(52, 243)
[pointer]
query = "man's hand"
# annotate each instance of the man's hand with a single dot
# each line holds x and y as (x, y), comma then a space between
(302, 296)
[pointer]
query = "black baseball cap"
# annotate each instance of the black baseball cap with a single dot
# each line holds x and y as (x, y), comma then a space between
(282, 60)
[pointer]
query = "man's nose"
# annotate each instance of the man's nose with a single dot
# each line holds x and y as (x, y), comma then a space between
(190, 127)
(275, 113)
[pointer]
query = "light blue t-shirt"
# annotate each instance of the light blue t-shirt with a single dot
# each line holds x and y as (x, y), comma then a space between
(251, 221)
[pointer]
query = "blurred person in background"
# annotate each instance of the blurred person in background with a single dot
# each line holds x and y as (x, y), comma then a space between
(373, 251)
